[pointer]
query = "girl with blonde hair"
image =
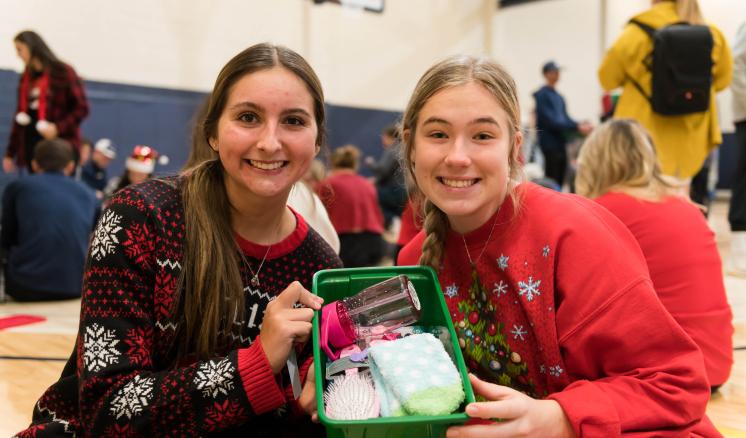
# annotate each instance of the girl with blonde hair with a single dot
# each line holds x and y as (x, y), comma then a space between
(618, 168)
(549, 293)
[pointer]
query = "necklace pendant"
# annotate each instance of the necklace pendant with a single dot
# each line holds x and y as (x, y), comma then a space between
(255, 281)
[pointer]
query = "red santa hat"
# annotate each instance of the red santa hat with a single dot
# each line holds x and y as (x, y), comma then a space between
(143, 159)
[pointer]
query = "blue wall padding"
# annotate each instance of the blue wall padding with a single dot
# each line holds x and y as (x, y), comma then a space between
(160, 117)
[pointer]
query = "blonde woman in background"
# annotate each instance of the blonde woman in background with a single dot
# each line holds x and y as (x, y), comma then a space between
(618, 168)
(683, 141)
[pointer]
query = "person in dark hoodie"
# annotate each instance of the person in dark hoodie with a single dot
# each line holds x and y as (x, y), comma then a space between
(554, 124)
(47, 220)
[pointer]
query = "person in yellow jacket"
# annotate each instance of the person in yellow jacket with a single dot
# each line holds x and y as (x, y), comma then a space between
(682, 142)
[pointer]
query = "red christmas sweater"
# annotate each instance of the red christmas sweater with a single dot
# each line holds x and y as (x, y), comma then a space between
(120, 380)
(686, 270)
(563, 308)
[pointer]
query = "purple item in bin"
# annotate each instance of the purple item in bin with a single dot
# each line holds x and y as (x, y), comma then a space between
(375, 310)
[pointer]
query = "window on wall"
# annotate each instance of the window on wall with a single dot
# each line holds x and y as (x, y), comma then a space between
(366, 5)
(506, 3)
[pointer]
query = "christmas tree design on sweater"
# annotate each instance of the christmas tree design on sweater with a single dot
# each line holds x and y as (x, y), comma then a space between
(484, 342)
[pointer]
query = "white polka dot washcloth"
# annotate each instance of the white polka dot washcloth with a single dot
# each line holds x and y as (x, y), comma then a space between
(418, 372)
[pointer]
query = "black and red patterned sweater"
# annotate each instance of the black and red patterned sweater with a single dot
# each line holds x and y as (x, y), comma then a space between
(119, 380)
(67, 106)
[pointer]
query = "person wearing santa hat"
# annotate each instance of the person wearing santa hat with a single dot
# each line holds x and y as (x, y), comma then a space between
(51, 102)
(139, 167)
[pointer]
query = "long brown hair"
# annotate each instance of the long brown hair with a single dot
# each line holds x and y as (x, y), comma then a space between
(38, 49)
(451, 72)
(200, 150)
(210, 295)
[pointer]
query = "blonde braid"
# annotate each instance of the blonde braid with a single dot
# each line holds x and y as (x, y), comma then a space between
(435, 226)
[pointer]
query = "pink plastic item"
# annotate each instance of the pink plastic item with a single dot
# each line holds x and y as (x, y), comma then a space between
(372, 312)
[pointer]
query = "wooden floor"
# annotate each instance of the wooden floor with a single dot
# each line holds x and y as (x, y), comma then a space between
(32, 356)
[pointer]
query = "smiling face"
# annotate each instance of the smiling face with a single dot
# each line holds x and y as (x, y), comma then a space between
(461, 154)
(266, 135)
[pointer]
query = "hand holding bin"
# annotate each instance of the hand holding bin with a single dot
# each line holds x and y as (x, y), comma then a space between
(339, 284)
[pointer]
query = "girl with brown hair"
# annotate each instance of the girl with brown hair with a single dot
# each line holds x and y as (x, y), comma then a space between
(51, 102)
(549, 293)
(195, 293)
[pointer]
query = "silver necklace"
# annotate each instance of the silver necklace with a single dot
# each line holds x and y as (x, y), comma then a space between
(255, 275)
(473, 263)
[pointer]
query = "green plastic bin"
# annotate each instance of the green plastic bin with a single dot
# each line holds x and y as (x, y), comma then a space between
(335, 284)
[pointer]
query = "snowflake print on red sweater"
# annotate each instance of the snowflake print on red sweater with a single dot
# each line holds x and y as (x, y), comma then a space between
(484, 342)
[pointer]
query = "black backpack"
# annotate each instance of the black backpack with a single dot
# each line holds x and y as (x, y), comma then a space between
(681, 67)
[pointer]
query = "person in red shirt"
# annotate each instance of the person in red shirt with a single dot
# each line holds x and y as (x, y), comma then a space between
(51, 102)
(549, 292)
(188, 313)
(411, 224)
(352, 204)
(620, 171)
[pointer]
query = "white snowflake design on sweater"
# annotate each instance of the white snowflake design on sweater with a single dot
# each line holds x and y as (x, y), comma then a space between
(133, 398)
(529, 288)
(105, 238)
(100, 348)
(545, 251)
(518, 332)
(502, 262)
(215, 378)
(451, 291)
(500, 289)
(556, 370)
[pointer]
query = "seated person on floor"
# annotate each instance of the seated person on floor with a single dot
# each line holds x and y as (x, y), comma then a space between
(47, 220)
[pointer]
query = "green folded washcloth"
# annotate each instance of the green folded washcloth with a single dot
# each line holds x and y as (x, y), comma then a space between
(420, 375)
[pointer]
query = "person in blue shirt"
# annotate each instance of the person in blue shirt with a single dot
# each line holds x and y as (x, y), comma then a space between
(47, 219)
(554, 124)
(93, 171)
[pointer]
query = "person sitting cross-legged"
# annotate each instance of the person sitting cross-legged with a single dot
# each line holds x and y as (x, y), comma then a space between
(47, 220)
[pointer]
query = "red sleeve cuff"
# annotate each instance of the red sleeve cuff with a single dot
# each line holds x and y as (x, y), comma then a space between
(303, 371)
(589, 410)
(258, 381)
